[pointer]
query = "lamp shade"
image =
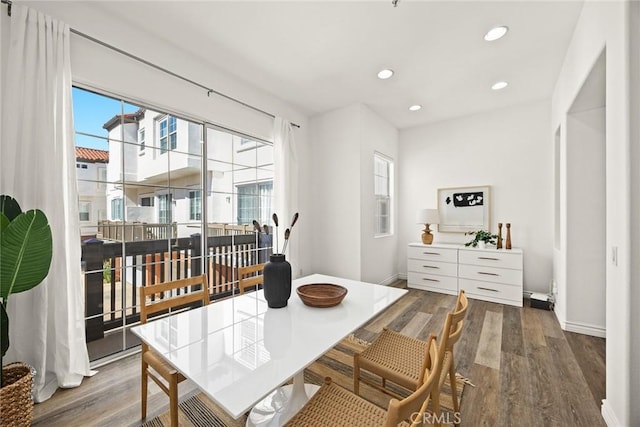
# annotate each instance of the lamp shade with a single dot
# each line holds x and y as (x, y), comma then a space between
(428, 216)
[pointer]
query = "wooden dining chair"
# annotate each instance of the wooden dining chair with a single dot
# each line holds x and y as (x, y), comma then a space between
(452, 330)
(333, 405)
(400, 359)
(162, 298)
(250, 276)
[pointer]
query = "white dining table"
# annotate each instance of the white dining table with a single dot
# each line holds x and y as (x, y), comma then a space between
(239, 352)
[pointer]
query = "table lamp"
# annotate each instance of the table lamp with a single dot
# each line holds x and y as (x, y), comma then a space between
(427, 217)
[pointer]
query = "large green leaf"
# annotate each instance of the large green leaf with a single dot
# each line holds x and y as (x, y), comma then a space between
(4, 331)
(4, 222)
(9, 207)
(25, 253)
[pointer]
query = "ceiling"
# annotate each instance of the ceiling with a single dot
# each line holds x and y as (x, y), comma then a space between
(323, 55)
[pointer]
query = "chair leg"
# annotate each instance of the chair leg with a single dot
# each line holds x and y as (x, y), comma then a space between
(356, 374)
(143, 399)
(435, 404)
(173, 400)
(454, 391)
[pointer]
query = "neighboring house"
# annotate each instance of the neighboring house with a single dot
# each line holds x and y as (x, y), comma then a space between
(159, 180)
(91, 170)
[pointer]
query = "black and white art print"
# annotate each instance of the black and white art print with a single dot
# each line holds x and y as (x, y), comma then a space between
(464, 209)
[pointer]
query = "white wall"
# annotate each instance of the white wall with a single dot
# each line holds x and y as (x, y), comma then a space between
(335, 184)
(506, 149)
(605, 25)
(635, 207)
(379, 255)
(342, 149)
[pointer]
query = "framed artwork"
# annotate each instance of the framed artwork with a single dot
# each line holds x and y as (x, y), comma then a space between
(464, 209)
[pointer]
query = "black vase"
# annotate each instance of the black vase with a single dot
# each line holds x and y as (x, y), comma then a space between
(277, 281)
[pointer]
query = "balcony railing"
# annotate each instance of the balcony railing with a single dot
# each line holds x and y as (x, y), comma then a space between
(135, 231)
(111, 279)
(139, 231)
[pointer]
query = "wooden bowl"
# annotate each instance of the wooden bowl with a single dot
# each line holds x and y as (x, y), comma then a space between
(321, 294)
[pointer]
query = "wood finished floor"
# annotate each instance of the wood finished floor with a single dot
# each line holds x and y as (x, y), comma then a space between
(527, 371)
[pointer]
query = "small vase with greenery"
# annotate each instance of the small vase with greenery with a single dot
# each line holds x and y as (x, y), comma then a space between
(26, 248)
(481, 237)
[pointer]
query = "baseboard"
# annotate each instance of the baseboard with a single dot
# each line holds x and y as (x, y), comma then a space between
(402, 276)
(582, 328)
(609, 415)
(389, 280)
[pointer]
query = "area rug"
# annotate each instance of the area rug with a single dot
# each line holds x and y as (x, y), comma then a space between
(200, 411)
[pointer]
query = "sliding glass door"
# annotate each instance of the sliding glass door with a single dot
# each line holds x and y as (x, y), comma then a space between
(157, 203)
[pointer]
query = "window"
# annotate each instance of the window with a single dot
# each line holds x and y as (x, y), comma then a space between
(195, 205)
(81, 165)
(167, 131)
(254, 202)
(147, 201)
(141, 138)
(116, 209)
(102, 177)
(383, 179)
(84, 209)
(164, 208)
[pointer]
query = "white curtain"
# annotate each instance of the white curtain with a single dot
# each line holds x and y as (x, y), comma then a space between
(286, 188)
(38, 169)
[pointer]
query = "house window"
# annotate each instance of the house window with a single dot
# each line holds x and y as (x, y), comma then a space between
(102, 177)
(383, 180)
(168, 133)
(141, 139)
(195, 205)
(116, 209)
(164, 208)
(254, 202)
(84, 209)
(147, 201)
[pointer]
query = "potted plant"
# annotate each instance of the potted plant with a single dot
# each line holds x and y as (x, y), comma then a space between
(481, 238)
(25, 258)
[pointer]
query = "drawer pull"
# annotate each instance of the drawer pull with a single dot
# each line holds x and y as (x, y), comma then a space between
(431, 253)
(488, 289)
(488, 274)
(489, 258)
(430, 280)
(431, 266)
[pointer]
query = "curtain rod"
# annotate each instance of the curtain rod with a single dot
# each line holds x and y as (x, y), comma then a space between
(162, 69)
(171, 73)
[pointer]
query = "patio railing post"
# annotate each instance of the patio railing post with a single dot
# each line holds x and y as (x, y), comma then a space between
(196, 255)
(92, 255)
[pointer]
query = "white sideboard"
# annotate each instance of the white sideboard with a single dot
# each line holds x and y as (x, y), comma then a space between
(486, 274)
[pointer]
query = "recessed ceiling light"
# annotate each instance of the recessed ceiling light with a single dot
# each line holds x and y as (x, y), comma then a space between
(499, 85)
(495, 33)
(415, 107)
(385, 74)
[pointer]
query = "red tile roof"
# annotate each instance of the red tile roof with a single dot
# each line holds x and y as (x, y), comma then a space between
(92, 155)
